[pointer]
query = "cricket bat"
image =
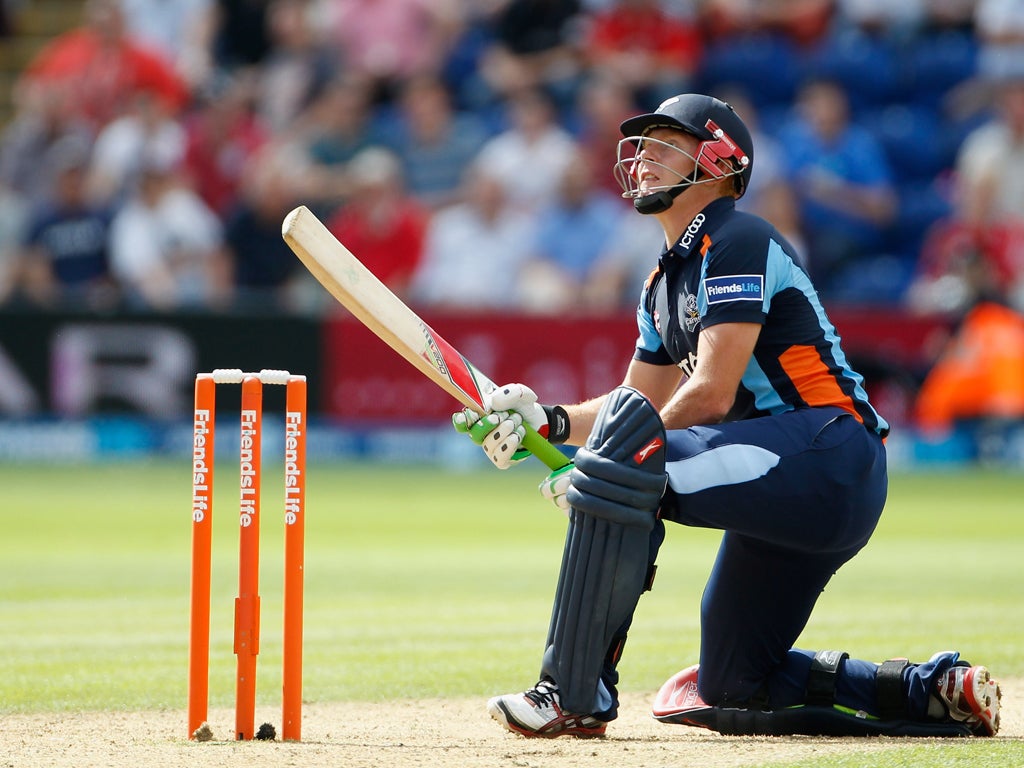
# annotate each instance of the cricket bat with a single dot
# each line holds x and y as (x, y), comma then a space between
(380, 310)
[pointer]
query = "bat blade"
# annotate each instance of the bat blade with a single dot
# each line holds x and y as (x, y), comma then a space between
(380, 310)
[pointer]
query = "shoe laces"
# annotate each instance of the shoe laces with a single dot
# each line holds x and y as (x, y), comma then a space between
(543, 694)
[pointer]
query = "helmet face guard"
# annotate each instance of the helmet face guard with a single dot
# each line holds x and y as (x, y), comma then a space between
(726, 149)
(708, 163)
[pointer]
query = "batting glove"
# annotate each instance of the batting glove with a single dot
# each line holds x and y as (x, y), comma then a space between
(499, 433)
(554, 487)
(523, 400)
(550, 421)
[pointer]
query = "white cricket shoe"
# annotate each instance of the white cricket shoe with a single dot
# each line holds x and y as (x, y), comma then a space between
(971, 696)
(537, 713)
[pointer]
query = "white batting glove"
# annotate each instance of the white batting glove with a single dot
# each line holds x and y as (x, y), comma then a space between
(554, 486)
(499, 433)
(523, 400)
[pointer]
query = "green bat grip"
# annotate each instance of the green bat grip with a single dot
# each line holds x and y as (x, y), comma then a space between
(542, 449)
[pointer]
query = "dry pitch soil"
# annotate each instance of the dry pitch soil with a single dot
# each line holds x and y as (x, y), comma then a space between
(434, 734)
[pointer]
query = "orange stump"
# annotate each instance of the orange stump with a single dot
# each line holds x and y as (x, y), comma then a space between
(247, 603)
(202, 526)
(294, 557)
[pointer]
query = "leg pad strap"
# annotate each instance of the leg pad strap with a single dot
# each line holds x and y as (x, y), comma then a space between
(889, 689)
(821, 680)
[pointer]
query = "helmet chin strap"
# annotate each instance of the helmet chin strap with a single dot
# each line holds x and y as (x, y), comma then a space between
(659, 201)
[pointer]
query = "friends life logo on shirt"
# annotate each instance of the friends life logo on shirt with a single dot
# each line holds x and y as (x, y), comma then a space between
(734, 288)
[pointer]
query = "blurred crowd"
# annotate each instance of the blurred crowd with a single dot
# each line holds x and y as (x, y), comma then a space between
(463, 149)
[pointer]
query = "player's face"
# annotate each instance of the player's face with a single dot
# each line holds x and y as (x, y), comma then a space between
(665, 158)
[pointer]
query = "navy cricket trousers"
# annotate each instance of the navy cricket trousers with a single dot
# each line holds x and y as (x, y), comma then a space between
(797, 495)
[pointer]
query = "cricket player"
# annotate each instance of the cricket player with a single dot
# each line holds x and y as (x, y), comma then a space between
(739, 412)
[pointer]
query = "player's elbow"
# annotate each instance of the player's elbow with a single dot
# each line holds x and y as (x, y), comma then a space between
(706, 404)
(714, 404)
(716, 413)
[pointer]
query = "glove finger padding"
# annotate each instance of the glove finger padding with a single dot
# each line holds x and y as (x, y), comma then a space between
(554, 486)
(469, 422)
(499, 434)
(501, 444)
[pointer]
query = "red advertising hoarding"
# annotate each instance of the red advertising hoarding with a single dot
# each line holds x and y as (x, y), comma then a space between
(562, 360)
(566, 360)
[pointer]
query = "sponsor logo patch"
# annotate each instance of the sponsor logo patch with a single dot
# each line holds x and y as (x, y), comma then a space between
(734, 288)
(688, 312)
(645, 453)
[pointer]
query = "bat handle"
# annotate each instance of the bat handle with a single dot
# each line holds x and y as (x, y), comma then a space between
(543, 450)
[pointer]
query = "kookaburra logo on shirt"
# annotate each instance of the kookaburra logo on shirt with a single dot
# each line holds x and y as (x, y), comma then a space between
(688, 312)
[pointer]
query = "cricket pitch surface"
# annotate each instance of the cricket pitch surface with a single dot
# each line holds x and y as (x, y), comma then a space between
(449, 733)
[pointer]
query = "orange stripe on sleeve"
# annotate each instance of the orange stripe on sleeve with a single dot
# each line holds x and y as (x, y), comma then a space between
(813, 382)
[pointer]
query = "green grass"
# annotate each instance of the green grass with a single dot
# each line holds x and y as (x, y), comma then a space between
(944, 753)
(422, 583)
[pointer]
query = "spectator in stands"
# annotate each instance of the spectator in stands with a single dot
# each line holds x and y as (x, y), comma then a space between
(603, 102)
(387, 41)
(475, 249)
(841, 179)
(624, 262)
(266, 272)
(435, 142)
(65, 258)
(961, 265)
(13, 214)
(803, 21)
(241, 39)
(222, 135)
(656, 53)
(42, 120)
(532, 150)
(999, 27)
(381, 222)
(990, 164)
(99, 69)
(950, 16)
(296, 70)
(341, 122)
(881, 18)
(978, 379)
(166, 245)
(147, 129)
(985, 234)
(769, 194)
(6, 24)
(579, 223)
(180, 30)
(535, 45)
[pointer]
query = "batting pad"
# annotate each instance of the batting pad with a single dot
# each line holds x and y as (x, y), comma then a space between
(679, 703)
(616, 490)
